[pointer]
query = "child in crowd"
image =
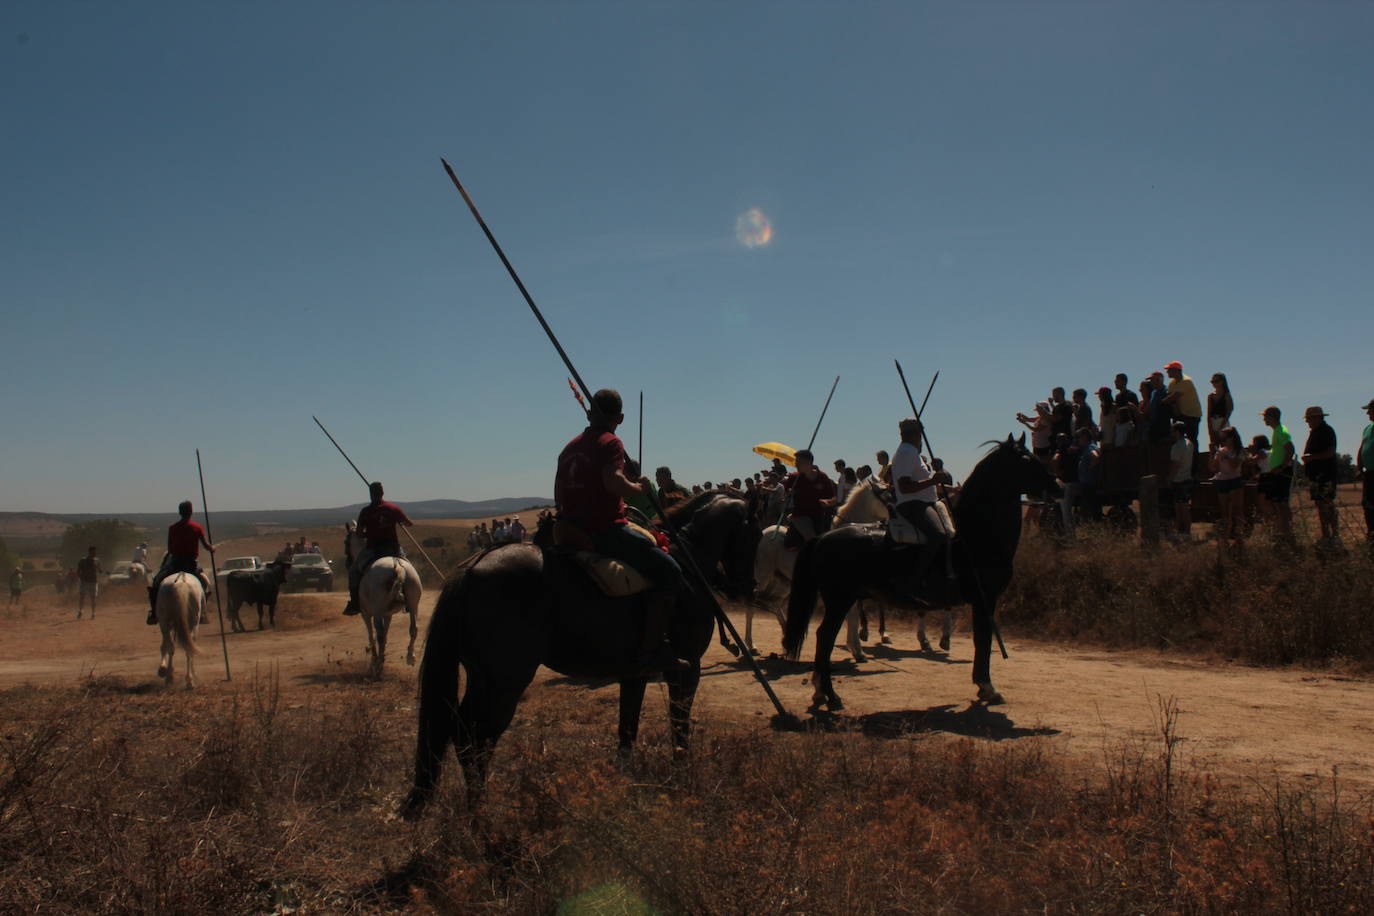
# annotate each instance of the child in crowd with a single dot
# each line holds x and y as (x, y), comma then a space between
(1229, 461)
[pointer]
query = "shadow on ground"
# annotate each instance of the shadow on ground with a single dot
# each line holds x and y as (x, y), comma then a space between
(973, 721)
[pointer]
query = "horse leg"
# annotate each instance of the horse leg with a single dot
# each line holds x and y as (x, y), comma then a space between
(371, 643)
(682, 691)
(631, 702)
(483, 716)
(164, 667)
(948, 629)
(823, 689)
(260, 616)
(921, 632)
(383, 626)
(862, 609)
(749, 629)
(856, 649)
(882, 625)
(982, 653)
(414, 629)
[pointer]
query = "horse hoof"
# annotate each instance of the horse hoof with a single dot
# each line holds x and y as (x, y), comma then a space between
(834, 703)
(988, 695)
(863, 634)
(162, 671)
(860, 658)
(887, 640)
(410, 659)
(926, 646)
(944, 643)
(754, 652)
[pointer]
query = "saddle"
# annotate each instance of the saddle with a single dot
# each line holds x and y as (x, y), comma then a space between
(903, 532)
(615, 578)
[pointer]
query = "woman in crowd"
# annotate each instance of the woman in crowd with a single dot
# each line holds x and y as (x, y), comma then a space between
(1229, 459)
(1220, 406)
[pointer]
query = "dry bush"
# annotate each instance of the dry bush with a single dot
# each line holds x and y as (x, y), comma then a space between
(1262, 606)
(245, 802)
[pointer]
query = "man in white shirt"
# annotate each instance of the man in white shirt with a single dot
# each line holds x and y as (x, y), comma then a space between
(916, 489)
(141, 554)
(1181, 479)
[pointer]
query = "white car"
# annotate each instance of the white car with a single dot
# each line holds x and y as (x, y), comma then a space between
(237, 563)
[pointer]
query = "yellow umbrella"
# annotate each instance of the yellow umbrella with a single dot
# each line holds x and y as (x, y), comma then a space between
(784, 453)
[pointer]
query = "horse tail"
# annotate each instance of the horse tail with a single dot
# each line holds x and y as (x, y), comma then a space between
(397, 588)
(181, 616)
(801, 603)
(438, 716)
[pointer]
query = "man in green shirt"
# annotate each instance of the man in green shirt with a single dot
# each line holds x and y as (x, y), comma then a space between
(1364, 463)
(1276, 480)
(641, 501)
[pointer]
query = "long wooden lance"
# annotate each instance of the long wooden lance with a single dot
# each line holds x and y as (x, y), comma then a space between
(977, 581)
(685, 552)
(404, 529)
(640, 459)
(219, 610)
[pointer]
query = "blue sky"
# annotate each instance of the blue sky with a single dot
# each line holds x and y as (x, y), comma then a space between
(223, 218)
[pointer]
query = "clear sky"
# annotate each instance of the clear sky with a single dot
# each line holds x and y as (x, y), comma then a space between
(219, 219)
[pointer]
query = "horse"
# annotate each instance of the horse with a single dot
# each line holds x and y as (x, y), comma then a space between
(847, 563)
(138, 575)
(519, 606)
(179, 601)
(774, 563)
(864, 505)
(390, 584)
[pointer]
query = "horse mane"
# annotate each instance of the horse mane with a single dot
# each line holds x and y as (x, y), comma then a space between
(854, 494)
(685, 510)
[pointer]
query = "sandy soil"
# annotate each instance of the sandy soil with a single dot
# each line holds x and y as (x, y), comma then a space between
(1245, 724)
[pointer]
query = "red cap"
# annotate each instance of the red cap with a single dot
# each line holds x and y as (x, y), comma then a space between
(1174, 365)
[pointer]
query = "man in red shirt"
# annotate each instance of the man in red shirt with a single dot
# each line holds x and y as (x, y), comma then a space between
(377, 524)
(590, 489)
(813, 497)
(184, 540)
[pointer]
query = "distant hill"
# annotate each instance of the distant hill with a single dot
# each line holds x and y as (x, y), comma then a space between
(23, 528)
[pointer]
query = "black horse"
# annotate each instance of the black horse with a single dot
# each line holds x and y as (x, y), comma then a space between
(519, 606)
(846, 564)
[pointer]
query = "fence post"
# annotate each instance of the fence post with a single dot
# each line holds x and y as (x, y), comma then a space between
(1149, 511)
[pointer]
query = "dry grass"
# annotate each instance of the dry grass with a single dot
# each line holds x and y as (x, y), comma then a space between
(1266, 605)
(117, 799)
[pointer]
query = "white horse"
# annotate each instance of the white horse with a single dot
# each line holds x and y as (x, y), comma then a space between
(179, 600)
(138, 575)
(773, 569)
(389, 585)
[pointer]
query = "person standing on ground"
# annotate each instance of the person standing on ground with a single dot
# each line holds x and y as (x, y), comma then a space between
(1062, 413)
(1181, 480)
(1276, 478)
(184, 540)
(1125, 397)
(1229, 460)
(377, 524)
(88, 572)
(16, 587)
(1082, 413)
(1322, 469)
(1364, 466)
(1219, 409)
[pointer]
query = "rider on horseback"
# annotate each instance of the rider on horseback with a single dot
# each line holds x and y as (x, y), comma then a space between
(813, 498)
(377, 524)
(916, 491)
(590, 489)
(184, 540)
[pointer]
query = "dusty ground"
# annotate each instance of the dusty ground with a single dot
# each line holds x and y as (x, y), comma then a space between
(1245, 724)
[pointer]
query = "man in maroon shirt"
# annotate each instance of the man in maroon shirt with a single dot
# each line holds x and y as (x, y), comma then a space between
(377, 524)
(813, 497)
(590, 489)
(184, 540)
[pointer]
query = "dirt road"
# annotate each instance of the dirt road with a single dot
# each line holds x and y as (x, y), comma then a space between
(1242, 723)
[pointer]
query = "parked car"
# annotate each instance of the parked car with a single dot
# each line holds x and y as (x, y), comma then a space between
(118, 574)
(310, 570)
(236, 563)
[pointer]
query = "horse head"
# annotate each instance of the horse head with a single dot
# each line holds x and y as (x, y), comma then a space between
(864, 504)
(1012, 463)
